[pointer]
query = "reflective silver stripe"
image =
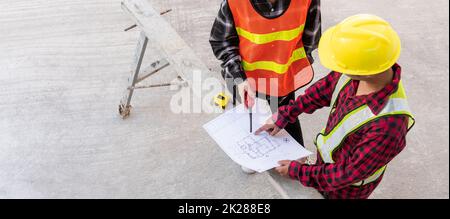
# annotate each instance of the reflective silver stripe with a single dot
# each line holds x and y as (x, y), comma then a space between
(342, 81)
(348, 125)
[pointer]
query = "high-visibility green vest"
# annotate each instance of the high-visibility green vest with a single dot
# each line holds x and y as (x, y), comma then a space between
(328, 143)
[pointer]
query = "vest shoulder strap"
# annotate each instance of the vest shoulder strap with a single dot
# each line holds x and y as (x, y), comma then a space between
(343, 81)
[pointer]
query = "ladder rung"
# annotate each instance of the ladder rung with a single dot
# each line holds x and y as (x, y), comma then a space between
(153, 68)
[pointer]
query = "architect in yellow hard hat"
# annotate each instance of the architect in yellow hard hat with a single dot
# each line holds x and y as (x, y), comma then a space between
(369, 116)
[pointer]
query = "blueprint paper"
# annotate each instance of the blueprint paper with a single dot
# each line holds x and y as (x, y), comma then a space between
(231, 131)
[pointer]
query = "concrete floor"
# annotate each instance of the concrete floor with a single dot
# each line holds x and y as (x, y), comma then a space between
(63, 67)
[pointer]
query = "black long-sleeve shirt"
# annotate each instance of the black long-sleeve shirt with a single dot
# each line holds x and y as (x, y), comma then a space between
(225, 40)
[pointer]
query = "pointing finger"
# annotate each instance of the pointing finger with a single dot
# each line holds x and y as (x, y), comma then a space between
(263, 128)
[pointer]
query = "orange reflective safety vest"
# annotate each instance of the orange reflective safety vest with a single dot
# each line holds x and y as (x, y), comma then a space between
(272, 52)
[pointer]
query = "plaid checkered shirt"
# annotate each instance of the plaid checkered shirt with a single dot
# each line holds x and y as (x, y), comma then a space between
(362, 153)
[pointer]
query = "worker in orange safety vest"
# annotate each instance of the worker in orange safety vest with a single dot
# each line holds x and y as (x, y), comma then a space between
(265, 47)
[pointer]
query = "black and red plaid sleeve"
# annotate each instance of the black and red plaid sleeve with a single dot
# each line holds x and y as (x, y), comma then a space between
(377, 145)
(315, 97)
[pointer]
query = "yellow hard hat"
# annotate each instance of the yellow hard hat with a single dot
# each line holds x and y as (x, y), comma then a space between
(360, 45)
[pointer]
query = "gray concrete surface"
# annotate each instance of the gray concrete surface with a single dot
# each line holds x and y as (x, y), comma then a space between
(63, 65)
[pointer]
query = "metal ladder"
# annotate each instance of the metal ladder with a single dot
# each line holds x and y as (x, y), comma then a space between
(135, 78)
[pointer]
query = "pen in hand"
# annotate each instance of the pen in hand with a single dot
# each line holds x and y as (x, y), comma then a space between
(249, 102)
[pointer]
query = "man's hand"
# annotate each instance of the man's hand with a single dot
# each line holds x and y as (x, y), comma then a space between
(269, 127)
(243, 88)
(283, 169)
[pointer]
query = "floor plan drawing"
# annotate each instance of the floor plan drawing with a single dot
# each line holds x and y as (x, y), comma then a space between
(256, 148)
(260, 152)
